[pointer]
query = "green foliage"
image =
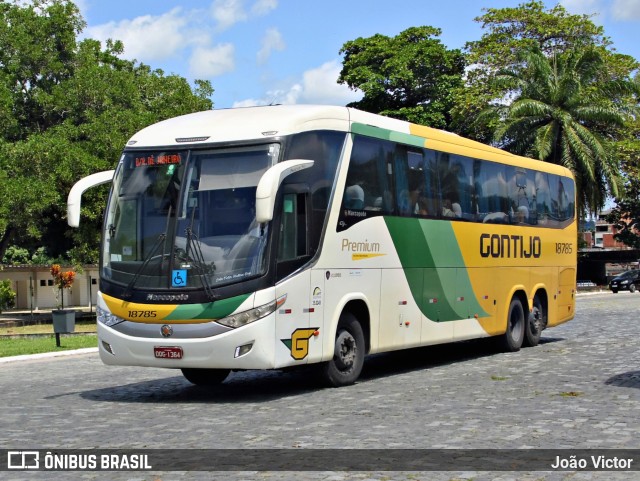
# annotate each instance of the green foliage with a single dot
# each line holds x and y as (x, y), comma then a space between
(563, 111)
(555, 90)
(511, 31)
(626, 214)
(7, 295)
(67, 109)
(411, 76)
(16, 256)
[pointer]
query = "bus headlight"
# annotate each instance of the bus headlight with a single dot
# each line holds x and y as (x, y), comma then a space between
(106, 318)
(247, 317)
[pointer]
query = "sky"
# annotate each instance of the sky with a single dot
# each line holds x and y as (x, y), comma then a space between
(258, 52)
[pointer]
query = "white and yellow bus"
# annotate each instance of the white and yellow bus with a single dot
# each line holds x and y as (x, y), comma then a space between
(272, 237)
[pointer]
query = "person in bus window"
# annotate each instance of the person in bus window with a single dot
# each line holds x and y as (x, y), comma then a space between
(354, 197)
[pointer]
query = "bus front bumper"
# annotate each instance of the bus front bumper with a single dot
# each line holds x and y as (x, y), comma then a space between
(247, 347)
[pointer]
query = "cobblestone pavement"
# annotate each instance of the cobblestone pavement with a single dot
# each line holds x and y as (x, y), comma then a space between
(580, 388)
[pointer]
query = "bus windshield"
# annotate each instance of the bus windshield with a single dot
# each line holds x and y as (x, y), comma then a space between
(186, 219)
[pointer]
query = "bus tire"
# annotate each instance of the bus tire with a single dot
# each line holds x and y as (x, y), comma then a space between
(536, 322)
(514, 336)
(348, 356)
(205, 377)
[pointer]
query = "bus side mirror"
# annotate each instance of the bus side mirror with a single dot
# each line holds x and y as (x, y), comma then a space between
(75, 195)
(269, 184)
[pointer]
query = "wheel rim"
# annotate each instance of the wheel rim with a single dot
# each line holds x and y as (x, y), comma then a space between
(345, 351)
(535, 321)
(516, 322)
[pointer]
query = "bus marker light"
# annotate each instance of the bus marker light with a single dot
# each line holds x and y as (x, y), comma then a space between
(316, 333)
(402, 303)
(406, 323)
(281, 300)
(433, 301)
(460, 299)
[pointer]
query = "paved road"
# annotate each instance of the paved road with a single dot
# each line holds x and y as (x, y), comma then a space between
(580, 388)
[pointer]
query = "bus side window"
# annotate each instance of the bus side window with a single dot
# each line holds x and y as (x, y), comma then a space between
(409, 182)
(293, 238)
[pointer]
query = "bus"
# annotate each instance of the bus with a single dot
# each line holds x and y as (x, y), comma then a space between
(279, 236)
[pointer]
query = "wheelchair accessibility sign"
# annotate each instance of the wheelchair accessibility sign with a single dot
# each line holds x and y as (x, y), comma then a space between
(179, 278)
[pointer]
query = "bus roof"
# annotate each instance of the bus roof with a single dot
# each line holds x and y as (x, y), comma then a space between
(264, 122)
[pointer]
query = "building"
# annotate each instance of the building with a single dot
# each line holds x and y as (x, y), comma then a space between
(34, 287)
(604, 233)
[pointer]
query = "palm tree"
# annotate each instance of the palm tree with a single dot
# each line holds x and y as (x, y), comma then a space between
(565, 109)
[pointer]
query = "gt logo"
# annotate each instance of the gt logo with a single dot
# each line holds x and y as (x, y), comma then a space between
(299, 342)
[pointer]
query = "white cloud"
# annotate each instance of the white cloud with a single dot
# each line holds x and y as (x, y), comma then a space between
(626, 10)
(228, 12)
(147, 37)
(262, 7)
(209, 62)
(582, 7)
(318, 86)
(271, 41)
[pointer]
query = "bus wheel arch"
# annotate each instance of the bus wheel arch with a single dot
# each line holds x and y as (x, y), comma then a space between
(537, 319)
(350, 346)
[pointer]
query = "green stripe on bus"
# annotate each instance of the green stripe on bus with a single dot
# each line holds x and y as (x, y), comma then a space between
(211, 310)
(434, 268)
(385, 134)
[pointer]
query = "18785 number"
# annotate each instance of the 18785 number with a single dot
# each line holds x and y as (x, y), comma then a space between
(564, 248)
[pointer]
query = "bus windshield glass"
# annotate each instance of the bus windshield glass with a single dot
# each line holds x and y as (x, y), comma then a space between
(186, 219)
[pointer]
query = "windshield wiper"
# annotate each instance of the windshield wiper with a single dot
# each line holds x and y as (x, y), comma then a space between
(193, 245)
(159, 241)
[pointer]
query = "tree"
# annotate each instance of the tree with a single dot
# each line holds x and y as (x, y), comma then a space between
(529, 26)
(67, 109)
(626, 214)
(589, 108)
(563, 112)
(411, 76)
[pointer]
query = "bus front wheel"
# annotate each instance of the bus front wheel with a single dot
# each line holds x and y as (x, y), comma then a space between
(512, 339)
(348, 355)
(205, 377)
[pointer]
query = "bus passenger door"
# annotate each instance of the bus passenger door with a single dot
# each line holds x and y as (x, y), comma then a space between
(294, 334)
(293, 331)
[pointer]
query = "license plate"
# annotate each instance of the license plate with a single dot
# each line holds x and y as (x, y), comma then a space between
(167, 352)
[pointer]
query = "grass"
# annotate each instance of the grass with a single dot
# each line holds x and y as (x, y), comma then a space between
(81, 326)
(39, 343)
(36, 345)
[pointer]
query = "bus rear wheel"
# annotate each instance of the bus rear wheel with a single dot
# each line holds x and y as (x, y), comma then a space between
(348, 356)
(205, 377)
(536, 322)
(512, 339)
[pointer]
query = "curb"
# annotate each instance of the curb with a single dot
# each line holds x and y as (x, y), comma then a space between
(47, 355)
